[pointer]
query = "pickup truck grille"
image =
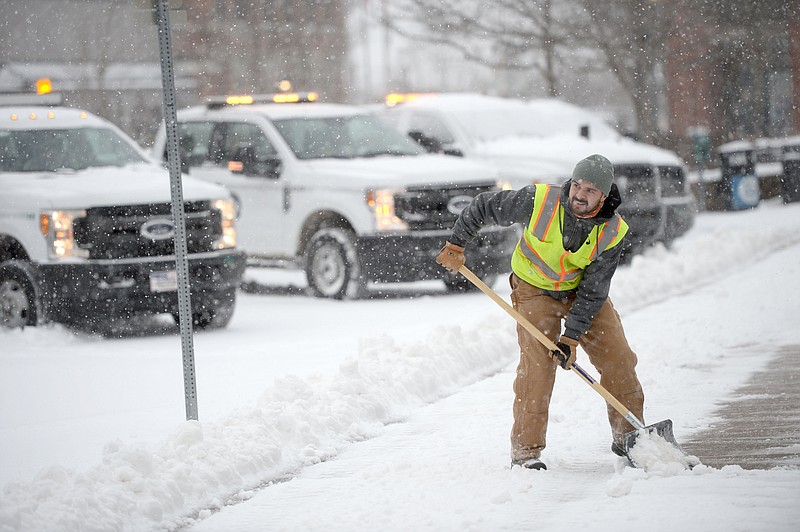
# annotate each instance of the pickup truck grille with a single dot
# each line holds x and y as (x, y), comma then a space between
(673, 182)
(121, 232)
(434, 208)
(637, 184)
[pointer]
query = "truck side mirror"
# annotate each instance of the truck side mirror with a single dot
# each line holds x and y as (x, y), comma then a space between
(185, 146)
(245, 162)
(433, 145)
(185, 151)
(430, 143)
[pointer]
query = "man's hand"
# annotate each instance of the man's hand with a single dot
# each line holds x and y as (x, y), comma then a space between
(565, 355)
(451, 257)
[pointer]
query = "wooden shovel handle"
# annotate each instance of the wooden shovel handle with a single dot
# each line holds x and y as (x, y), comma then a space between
(548, 343)
(522, 320)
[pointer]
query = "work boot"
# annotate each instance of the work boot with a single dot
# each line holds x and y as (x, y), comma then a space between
(618, 449)
(529, 463)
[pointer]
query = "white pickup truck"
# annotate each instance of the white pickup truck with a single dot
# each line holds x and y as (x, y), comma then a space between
(541, 141)
(334, 190)
(86, 230)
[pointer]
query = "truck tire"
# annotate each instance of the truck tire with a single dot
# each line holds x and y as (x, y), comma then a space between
(19, 305)
(212, 316)
(459, 283)
(333, 268)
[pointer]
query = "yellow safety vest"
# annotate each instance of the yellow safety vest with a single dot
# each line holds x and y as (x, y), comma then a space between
(540, 258)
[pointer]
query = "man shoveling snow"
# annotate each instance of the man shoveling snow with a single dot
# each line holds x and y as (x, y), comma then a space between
(562, 269)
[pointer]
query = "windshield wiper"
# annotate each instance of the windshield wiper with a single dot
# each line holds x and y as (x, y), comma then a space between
(385, 152)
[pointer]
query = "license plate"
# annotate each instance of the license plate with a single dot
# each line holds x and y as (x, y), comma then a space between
(164, 281)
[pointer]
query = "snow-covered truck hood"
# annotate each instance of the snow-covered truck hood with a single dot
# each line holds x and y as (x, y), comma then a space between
(394, 171)
(552, 159)
(98, 187)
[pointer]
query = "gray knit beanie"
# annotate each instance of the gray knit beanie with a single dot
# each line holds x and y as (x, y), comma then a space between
(597, 170)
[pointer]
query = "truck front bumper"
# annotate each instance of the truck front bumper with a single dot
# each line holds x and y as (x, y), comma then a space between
(81, 291)
(412, 257)
(646, 225)
(680, 218)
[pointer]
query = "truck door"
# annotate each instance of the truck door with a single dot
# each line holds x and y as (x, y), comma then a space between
(210, 147)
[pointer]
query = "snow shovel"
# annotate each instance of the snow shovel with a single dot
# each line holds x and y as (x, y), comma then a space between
(663, 428)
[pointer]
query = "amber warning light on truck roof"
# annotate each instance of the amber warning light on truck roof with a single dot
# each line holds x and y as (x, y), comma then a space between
(245, 99)
(397, 98)
(44, 86)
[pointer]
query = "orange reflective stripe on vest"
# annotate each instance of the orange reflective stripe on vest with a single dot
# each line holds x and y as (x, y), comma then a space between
(547, 213)
(607, 235)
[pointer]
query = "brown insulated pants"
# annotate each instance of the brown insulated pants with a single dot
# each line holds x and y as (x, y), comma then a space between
(604, 343)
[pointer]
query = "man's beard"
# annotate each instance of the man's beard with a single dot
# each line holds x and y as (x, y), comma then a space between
(581, 208)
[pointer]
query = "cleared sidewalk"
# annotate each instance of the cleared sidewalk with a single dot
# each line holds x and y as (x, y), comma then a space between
(760, 428)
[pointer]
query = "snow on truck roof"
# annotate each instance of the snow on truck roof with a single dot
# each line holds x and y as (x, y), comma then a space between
(491, 117)
(273, 106)
(544, 129)
(279, 110)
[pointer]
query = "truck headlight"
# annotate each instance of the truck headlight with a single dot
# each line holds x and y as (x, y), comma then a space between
(57, 228)
(381, 202)
(227, 211)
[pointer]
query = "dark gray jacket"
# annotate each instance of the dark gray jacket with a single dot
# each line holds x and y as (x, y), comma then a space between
(508, 207)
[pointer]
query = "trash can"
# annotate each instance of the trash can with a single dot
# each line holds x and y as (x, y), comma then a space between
(738, 186)
(790, 183)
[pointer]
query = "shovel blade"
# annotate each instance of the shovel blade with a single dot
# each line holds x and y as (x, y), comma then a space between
(663, 429)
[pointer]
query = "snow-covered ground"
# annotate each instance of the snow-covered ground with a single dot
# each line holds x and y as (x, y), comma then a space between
(393, 413)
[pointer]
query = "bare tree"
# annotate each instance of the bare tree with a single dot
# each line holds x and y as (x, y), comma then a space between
(631, 37)
(508, 34)
(624, 38)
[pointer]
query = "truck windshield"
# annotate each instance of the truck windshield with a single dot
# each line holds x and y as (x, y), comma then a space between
(344, 137)
(50, 150)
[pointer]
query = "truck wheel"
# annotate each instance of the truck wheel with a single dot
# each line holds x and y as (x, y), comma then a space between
(212, 316)
(459, 283)
(18, 304)
(333, 268)
(215, 318)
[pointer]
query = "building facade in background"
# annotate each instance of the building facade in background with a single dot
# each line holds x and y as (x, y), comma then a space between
(249, 46)
(734, 70)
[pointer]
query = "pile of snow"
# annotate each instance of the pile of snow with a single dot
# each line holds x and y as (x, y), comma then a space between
(653, 453)
(296, 423)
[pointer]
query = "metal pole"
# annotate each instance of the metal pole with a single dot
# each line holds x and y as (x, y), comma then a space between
(701, 188)
(174, 165)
